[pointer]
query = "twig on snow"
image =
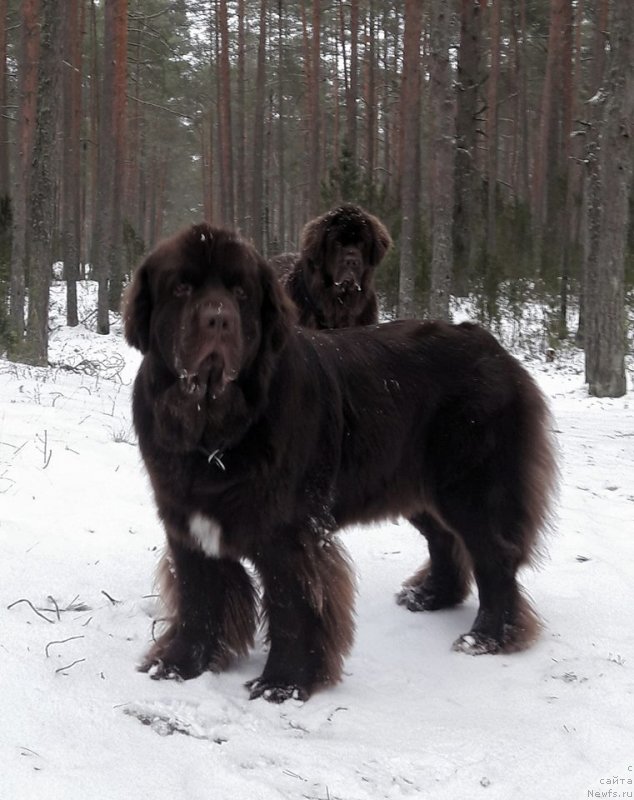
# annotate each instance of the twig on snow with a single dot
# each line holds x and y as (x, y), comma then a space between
(29, 603)
(61, 641)
(68, 666)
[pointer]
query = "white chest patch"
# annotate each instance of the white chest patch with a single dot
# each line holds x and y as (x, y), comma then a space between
(207, 533)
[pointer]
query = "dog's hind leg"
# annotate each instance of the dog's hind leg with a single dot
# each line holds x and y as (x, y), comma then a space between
(489, 523)
(308, 601)
(211, 614)
(442, 582)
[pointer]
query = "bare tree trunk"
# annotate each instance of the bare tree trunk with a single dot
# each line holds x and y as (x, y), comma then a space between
(591, 188)
(27, 90)
(42, 186)
(71, 157)
(314, 114)
(281, 139)
(116, 253)
(605, 348)
(521, 162)
(351, 100)
(492, 137)
(107, 230)
(443, 130)
(468, 216)
(228, 194)
(257, 183)
(548, 114)
(4, 138)
(242, 209)
(371, 104)
(410, 144)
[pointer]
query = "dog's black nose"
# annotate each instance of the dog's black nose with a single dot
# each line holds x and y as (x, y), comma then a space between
(351, 261)
(218, 317)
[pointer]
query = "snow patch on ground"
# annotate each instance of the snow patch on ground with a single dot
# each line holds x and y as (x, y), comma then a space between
(80, 542)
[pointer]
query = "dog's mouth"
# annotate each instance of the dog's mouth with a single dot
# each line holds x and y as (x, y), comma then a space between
(346, 289)
(211, 376)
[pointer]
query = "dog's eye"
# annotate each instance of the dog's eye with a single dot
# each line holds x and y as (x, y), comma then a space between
(239, 293)
(182, 290)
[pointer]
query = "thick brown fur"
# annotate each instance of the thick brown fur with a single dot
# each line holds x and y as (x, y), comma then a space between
(263, 439)
(331, 279)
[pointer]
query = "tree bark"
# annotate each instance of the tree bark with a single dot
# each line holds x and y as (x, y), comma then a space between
(410, 144)
(591, 178)
(257, 173)
(228, 194)
(42, 185)
(27, 91)
(4, 138)
(468, 216)
(71, 158)
(443, 132)
(353, 92)
(314, 114)
(371, 105)
(242, 209)
(605, 350)
(492, 137)
(107, 250)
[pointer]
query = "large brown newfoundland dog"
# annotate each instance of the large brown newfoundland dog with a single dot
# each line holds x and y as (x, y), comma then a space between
(263, 439)
(331, 280)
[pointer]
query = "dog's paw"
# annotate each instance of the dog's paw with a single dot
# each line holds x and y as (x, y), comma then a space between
(158, 670)
(175, 658)
(413, 599)
(421, 598)
(476, 644)
(275, 691)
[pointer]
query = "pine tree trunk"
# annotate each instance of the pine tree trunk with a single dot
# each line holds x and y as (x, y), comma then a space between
(492, 141)
(42, 185)
(546, 140)
(443, 129)
(468, 216)
(71, 158)
(605, 348)
(4, 138)
(281, 139)
(371, 104)
(314, 114)
(410, 144)
(242, 210)
(27, 90)
(257, 172)
(228, 195)
(591, 177)
(351, 100)
(105, 236)
(116, 251)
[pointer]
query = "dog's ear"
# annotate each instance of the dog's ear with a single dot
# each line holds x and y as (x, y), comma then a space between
(312, 242)
(381, 240)
(278, 312)
(137, 310)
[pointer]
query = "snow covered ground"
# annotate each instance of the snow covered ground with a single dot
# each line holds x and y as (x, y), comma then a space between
(79, 542)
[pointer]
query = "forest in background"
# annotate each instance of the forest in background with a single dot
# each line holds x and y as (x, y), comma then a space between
(493, 137)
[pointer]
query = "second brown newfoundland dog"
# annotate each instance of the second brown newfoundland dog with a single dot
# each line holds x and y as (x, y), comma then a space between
(331, 279)
(263, 439)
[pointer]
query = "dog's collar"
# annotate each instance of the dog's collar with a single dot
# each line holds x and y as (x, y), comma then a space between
(214, 458)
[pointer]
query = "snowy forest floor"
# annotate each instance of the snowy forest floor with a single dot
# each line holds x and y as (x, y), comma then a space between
(79, 543)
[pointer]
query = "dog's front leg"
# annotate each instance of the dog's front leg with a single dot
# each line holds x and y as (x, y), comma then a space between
(308, 601)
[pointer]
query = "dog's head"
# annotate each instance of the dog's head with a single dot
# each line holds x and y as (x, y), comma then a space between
(343, 247)
(207, 306)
